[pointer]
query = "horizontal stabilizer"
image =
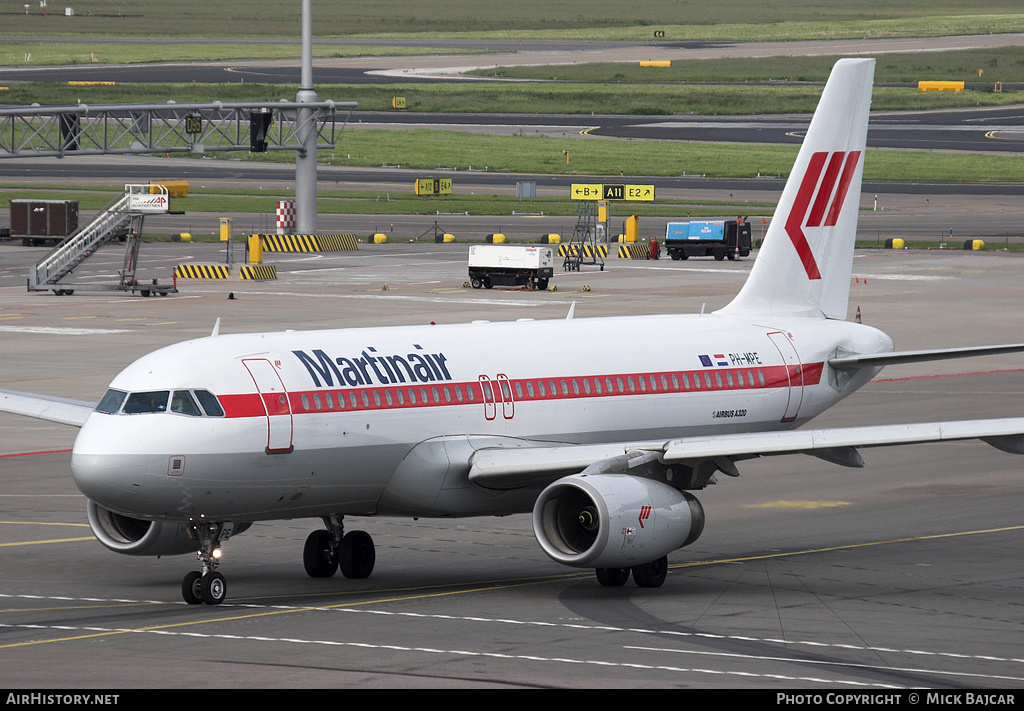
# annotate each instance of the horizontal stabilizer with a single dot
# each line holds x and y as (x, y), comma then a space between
(900, 357)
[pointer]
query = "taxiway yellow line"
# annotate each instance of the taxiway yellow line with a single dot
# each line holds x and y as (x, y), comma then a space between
(489, 588)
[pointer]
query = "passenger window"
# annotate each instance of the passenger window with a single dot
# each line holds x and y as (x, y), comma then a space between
(111, 401)
(183, 403)
(139, 403)
(210, 403)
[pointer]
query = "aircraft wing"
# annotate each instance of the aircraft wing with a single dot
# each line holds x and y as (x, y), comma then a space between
(503, 468)
(44, 407)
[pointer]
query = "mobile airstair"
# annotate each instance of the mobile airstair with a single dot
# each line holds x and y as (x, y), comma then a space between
(583, 247)
(122, 218)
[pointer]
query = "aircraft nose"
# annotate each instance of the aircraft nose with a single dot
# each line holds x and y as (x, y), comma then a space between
(102, 468)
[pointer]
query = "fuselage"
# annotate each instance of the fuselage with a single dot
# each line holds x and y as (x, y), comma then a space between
(382, 420)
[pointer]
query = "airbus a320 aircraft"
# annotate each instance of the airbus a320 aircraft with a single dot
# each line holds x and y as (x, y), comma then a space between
(193, 443)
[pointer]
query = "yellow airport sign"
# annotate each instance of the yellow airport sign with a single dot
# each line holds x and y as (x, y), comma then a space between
(434, 186)
(642, 193)
(585, 191)
(629, 193)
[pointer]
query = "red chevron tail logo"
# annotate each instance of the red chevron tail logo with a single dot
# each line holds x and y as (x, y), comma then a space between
(834, 185)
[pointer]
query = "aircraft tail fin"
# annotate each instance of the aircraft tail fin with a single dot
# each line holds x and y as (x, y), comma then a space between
(804, 265)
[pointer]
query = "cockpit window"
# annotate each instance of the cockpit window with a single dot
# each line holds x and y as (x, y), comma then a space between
(138, 403)
(183, 403)
(111, 401)
(210, 403)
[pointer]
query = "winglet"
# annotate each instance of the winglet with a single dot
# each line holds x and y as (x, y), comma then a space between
(805, 262)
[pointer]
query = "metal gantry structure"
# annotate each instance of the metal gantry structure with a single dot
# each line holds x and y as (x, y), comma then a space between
(38, 131)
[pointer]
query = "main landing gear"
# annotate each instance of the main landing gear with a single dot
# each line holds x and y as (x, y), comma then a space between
(209, 586)
(327, 551)
(648, 575)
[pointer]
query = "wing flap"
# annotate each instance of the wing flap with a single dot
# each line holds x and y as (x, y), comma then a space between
(507, 468)
(44, 407)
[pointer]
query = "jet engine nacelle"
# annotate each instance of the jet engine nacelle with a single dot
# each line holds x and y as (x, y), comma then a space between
(614, 520)
(132, 536)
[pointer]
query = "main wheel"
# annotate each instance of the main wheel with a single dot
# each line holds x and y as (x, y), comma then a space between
(612, 577)
(357, 555)
(215, 588)
(317, 556)
(651, 575)
(192, 587)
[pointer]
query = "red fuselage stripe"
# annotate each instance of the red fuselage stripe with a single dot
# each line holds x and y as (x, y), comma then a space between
(498, 391)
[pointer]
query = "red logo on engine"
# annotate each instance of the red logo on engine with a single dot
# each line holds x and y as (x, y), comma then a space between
(795, 223)
(645, 513)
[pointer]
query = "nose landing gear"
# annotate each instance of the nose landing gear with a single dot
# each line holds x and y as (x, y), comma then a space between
(208, 587)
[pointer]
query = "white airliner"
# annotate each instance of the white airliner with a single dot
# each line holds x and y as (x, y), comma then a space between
(193, 443)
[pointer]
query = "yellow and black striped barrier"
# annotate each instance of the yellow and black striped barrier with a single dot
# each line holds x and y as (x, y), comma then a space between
(566, 250)
(309, 243)
(634, 251)
(258, 272)
(201, 271)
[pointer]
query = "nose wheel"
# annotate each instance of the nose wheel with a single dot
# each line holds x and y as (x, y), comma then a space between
(207, 587)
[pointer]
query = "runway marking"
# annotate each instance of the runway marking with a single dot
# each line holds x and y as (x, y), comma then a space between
(821, 662)
(948, 375)
(797, 504)
(61, 331)
(164, 630)
(497, 655)
(52, 540)
(32, 454)
(361, 608)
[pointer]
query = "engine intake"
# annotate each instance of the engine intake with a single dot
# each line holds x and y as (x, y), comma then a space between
(614, 520)
(132, 536)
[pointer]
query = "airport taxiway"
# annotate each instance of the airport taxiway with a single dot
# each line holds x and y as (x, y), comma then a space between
(808, 575)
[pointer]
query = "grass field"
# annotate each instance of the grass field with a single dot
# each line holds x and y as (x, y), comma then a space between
(596, 19)
(998, 64)
(500, 97)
